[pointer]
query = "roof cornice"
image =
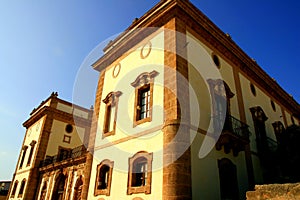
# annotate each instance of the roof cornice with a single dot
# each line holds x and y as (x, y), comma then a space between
(193, 17)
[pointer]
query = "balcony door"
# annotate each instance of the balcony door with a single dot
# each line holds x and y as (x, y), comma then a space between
(259, 119)
(221, 95)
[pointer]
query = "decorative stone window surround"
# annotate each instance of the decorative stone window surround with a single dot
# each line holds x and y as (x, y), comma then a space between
(105, 191)
(143, 81)
(146, 188)
(111, 100)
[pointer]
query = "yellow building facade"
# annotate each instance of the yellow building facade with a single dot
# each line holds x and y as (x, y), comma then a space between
(181, 112)
(53, 154)
(198, 68)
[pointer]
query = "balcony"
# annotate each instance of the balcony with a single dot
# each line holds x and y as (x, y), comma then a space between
(64, 158)
(234, 136)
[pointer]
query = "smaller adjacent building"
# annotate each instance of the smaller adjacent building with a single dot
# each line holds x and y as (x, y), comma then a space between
(4, 187)
(53, 153)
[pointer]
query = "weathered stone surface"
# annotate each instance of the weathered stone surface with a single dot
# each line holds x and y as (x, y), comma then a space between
(275, 192)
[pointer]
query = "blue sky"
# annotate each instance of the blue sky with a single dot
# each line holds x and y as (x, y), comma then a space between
(43, 44)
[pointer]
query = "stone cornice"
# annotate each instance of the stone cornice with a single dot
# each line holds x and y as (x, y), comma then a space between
(196, 20)
(58, 115)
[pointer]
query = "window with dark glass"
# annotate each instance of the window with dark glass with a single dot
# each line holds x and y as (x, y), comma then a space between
(63, 153)
(221, 95)
(22, 188)
(259, 118)
(103, 178)
(111, 108)
(143, 97)
(14, 189)
(139, 177)
(143, 108)
(278, 130)
(23, 156)
(32, 144)
(108, 126)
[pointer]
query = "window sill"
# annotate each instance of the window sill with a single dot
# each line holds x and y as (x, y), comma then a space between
(139, 189)
(106, 134)
(102, 192)
(141, 121)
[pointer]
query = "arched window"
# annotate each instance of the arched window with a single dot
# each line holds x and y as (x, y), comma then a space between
(78, 189)
(228, 179)
(22, 187)
(58, 190)
(104, 177)
(140, 172)
(139, 175)
(14, 189)
(43, 191)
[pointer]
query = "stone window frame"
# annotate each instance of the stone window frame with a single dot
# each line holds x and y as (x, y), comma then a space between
(63, 153)
(43, 192)
(78, 188)
(111, 100)
(23, 156)
(278, 130)
(67, 139)
(147, 187)
(219, 87)
(14, 189)
(22, 188)
(105, 191)
(32, 144)
(143, 81)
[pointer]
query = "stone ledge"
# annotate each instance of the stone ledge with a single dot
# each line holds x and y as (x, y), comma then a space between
(289, 191)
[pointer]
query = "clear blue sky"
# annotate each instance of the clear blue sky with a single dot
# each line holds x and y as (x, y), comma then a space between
(43, 43)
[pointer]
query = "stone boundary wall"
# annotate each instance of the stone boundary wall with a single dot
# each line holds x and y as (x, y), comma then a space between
(275, 192)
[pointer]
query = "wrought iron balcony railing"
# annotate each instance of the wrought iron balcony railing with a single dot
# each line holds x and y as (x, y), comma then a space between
(237, 127)
(234, 134)
(64, 155)
(233, 125)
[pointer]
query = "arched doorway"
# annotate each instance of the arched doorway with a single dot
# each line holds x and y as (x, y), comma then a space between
(78, 189)
(228, 179)
(59, 187)
(44, 191)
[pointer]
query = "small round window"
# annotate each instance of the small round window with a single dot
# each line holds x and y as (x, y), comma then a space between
(216, 60)
(69, 128)
(253, 90)
(273, 106)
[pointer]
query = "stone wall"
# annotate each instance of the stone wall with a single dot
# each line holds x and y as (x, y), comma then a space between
(275, 192)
